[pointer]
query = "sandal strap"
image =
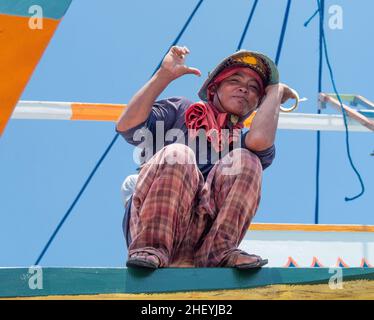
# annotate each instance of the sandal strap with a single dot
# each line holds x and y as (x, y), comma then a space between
(232, 257)
(147, 256)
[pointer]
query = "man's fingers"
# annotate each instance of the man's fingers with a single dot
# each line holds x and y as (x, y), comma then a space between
(290, 94)
(190, 70)
(194, 71)
(180, 51)
(293, 94)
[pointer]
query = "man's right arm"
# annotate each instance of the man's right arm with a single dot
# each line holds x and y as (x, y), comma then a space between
(140, 106)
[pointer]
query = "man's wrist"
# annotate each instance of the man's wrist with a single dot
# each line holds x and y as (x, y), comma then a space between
(275, 92)
(165, 75)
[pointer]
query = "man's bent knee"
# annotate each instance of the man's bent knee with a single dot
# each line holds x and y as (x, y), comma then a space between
(178, 153)
(239, 161)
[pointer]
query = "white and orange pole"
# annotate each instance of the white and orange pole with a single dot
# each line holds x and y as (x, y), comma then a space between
(49, 110)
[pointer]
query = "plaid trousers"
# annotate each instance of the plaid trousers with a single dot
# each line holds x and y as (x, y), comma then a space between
(187, 221)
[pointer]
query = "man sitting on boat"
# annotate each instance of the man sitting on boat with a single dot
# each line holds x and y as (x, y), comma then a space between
(199, 184)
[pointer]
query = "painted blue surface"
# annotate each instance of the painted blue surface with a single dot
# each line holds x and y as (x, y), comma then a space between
(54, 9)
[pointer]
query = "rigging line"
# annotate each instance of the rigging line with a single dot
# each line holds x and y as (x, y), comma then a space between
(75, 200)
(247, 25)
(311, 18)
(41, 255)
(176, 40)
(283, 32)
(344, 117)
(321, 11)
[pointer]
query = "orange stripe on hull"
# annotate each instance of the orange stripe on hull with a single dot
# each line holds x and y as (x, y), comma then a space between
(21, 50)
(96, 111)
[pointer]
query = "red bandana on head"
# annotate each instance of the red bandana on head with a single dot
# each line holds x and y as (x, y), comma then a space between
(229, 72)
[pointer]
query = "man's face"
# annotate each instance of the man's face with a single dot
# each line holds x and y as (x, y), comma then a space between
(238, 94)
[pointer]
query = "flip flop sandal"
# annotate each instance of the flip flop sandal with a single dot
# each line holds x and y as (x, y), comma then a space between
(141, 262)
(257, 264)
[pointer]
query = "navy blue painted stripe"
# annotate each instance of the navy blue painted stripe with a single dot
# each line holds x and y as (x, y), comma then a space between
(54, 9)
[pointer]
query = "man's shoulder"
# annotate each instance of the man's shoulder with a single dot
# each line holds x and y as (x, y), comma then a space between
(178, 102)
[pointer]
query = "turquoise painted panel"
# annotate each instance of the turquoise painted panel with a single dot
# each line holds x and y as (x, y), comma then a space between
(367, 113)
(73, 281)
(54, 9)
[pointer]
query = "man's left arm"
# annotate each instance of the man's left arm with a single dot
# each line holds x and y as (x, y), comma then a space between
(264, 125)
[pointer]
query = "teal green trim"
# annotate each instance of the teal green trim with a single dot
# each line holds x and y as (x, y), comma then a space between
(367, 113)
(363, 102)
(346, 97)
(54, 9)
(14, 282)
(354, 100)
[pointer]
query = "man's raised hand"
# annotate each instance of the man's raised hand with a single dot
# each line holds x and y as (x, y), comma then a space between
(174, 63)
(286, 91)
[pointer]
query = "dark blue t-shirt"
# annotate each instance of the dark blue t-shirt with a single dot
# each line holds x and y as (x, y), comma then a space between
(169, 114)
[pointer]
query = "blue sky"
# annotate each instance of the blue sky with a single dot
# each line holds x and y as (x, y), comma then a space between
(104, 52)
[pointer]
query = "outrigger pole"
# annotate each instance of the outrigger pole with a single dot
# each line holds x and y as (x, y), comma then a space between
(50, 110)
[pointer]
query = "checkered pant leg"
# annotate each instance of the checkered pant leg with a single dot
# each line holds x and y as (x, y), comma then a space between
(228, 202)
(162, 203)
